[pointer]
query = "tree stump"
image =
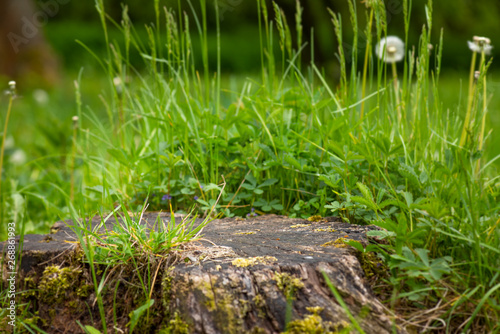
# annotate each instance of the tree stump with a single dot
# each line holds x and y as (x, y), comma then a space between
(259, 275)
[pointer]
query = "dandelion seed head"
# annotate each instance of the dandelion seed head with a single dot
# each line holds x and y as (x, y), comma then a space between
(480, 45)
(481, 40)
(117, 81)
(12, 85)
(390, 49)
(18, 157)
(9, 143)
(41, 96)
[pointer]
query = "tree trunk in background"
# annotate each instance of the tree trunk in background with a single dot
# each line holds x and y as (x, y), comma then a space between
(25, 55)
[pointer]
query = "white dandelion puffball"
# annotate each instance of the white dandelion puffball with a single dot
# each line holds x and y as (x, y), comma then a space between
(18, 158)
(41, 96)
(390, 49)
(480, 45)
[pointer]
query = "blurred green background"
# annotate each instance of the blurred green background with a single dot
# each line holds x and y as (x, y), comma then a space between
(459, 19)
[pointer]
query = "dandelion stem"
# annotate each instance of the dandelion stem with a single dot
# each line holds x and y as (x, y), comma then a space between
(396, 90)
(470, 99)
(485, 111)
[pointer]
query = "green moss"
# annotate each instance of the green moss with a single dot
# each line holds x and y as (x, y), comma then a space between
(288, 284)
(29, 289)
(84, 290)
(364, 312)
(55, 282)
(166, 286)
(209, 295)
(34, 320)
(73, 304)
(372, 265)
(260, 304)
(177, 325)
(229, 313)
(52, 313)
(245, 307)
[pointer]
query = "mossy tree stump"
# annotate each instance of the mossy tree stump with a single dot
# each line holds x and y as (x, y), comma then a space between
(259, 275)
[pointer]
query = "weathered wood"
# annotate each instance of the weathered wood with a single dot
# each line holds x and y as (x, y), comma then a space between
(244, 276)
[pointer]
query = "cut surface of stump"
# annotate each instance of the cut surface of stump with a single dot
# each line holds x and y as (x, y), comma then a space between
(260, 275)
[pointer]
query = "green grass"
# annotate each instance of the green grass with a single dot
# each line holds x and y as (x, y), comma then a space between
(294, 141)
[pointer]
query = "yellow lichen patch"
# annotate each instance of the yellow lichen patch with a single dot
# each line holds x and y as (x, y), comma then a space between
(327, 229)
(245, 233)
(300, 225)
(209, 293)
(310, 324)
(314, 324)
(339, 243)
(47, 238)
(315, 218)
(252, 261)
(372, 265)
(288, 284)
(177, 325)
(260, 304)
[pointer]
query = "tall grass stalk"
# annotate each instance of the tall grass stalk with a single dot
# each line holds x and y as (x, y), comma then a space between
(73, 156)
(12, 94)
(366, 63)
